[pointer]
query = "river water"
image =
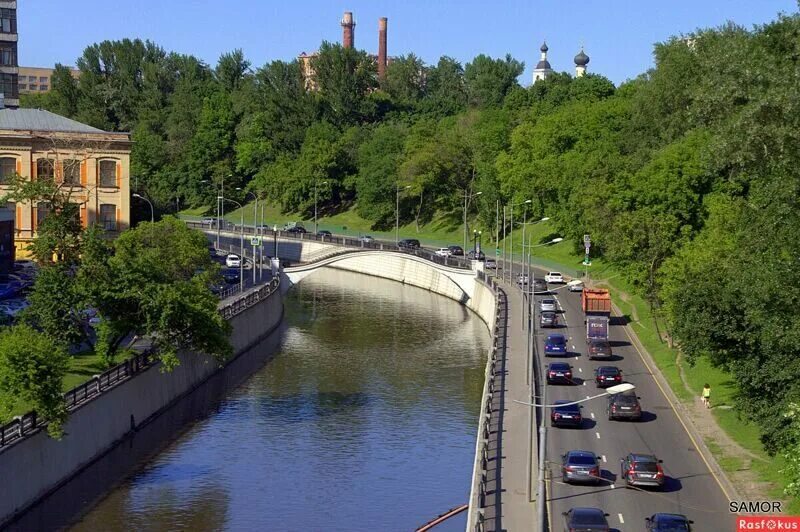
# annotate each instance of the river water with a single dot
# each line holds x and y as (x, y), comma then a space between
(365, 419)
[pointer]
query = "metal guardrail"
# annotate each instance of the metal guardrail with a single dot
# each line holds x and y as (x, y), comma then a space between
(494, 363)
(28, 424)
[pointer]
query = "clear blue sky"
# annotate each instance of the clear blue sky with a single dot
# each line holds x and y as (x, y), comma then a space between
(618, 34)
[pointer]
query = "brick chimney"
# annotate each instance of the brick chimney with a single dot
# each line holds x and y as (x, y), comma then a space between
(382, 47)
(348, 30)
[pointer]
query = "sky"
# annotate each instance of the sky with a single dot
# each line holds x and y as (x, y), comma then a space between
(618, 35)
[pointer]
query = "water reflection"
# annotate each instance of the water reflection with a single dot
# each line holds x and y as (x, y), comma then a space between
(365, 420)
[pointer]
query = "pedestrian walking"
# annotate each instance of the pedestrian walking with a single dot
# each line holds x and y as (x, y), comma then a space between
(707, 395)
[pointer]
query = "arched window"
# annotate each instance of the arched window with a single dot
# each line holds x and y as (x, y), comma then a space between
(8, 168)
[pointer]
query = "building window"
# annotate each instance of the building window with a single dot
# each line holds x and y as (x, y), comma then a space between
(45, 169)
(72, 172)
(8, 86)
(42, 87)
(42, 79)
(8, 20)
(8, 56)
(31, 79)
(108, 173)
(23, 87)
(8, 169)
(108, 217)
(42, 210)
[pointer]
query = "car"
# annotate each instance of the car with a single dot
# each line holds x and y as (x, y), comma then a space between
(554, 277)
(443, 252)
(408, 243)
(539, 286)
(548, 319)
(323, 233)
(522, 279)
(366, 239)
(575, 285)
(209, 221)
(231, 275)
(663, 522)
(559, 372)
(233, 261)
(624, 406)
(606, 376)
(297, 229)
(565, 413)
(641, 470)
(490, 264)
(598, 348)
(456, 251)
(548, 305)
(580, 466)
(555, 344)
(476, 255)
(585, 520)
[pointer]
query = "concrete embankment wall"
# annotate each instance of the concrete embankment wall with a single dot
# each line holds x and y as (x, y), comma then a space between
(37, 465)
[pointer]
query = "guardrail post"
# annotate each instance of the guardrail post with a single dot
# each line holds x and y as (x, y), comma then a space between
(18, 419)
(96, 379)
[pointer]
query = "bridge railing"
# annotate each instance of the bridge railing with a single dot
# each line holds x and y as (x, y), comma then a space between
(491, 385)
(26, 425)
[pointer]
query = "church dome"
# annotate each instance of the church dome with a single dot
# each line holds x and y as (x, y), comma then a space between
(543, 65)
(544, 47)
(581, 59)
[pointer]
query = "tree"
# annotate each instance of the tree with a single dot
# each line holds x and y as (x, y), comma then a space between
(490, 80)
(345, 76)
(446, 90)
(55, 305)
(232, 70)
(32, 370)
(379, 158)
(405, 81)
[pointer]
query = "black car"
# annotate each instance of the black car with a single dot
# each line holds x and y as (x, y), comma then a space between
(408, 243)
(539, 286)
(624, 406)
(565, 414)
(668, 523)
(548, 319)
(456, 251)
(559, 372)
(230, 275)
(324, 233)
(606, 376)
(297, 229)
(476, 255)
(585, 520)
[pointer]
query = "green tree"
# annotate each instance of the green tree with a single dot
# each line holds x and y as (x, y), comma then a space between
(490, 80)
(55, 305)
(405, 81)
(345, 76)
(446, 89)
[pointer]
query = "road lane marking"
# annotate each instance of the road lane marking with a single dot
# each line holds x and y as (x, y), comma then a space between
(592, 414)
(597, 434)
(621, 520)
(584, 383)
(604, 459)
(613, 486)
(580, 370)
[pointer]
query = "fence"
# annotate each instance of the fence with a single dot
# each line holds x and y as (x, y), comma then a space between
(494, 368)
(26, 425)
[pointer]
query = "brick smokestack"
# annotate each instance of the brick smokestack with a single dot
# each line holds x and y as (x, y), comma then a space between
(348, 30)
(382, 48)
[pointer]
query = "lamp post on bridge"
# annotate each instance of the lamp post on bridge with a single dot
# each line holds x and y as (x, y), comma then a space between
(511, 244)
(467, 197)
(397, 213)
(241, 242)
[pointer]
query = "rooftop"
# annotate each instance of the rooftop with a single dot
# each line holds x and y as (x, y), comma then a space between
(41, 120)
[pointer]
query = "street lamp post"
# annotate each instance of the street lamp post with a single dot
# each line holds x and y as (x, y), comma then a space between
(152, 211)
(255, 219)
(467, 197)
(397, 212)
(315, 204)
(511, 244)
(241, 243)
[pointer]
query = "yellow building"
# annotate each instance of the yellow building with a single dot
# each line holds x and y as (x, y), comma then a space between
(92, 165)
(37, 79)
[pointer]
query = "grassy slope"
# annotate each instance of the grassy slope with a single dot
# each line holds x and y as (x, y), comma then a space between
(562, 256)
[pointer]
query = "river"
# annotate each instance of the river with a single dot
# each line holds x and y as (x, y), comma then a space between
(365, 419)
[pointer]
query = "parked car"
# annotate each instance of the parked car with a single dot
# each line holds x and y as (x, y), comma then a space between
(580, 466)
(641, 470)
(554, 277)
(490, 264)
(575, 285)
(598, 348)
(624, 406)
(548, 319)
(539, 286)
(476, 255)
(366, 239)
(548, 305)
(555, 344)
(408, 243)
(606, 376)
(456, 251)
(443, 252)
(565, 414)
(586, 520)
(233, 261)
(230, 275)
(324, 233)
(663, 522)
(559, 372)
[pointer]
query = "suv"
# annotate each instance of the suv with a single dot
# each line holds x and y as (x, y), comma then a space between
(580, 466)
(233, 261)
(443, 252)
(555, 344)
(559, 372)
(548, 319)
(624, 406)
(476, 255)
(408, 243)
(554, 277)
(539, 286)
(456, 251)
(598, 348)
(565, 412)
(641, 470)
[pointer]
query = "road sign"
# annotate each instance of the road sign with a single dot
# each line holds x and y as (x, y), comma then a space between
(586, 240)
(255, 241)
(498, 251)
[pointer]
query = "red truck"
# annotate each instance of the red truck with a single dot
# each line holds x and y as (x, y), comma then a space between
(596, 303)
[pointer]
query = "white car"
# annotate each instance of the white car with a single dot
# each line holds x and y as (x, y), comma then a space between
(490, 264)
(575, 285)
(444, 252)
(366, 239)
(233, 261)
(554, 277)
(548, 305)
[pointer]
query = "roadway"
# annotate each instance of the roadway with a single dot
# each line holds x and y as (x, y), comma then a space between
(691, 488)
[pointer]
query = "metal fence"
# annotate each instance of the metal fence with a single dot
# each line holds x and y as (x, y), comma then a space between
(491, 385)
(28, 424)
